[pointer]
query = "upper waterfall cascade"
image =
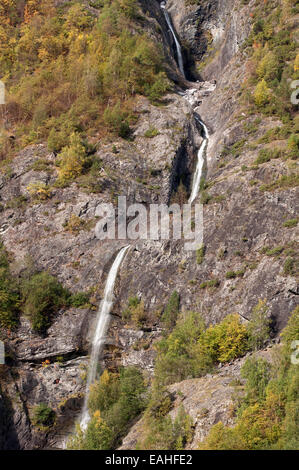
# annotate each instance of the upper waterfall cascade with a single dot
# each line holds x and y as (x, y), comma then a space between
(177, 44)
(102, 323)
(188, 96)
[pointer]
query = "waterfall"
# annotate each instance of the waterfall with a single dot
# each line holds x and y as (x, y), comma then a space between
(102, 323)
(200, 162)
(201, 150)
(178, 46)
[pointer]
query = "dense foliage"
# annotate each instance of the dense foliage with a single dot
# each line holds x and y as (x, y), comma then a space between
(171, 311)
(272, 65)
(70, 71)
(191, 349)
(9, 293)
(115, 400)
(164, 433)
(38, 295)
(268, 416)
(43, 416)
(42, 296)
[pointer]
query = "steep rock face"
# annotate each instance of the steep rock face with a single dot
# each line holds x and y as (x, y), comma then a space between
(207, 401)
(239, 220)
(211, 31)
(146, 170)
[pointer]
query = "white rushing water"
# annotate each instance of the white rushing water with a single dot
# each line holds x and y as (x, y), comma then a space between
(103, 316)
(201, 151)
(177, 44)
(200, 163)
(102, 323)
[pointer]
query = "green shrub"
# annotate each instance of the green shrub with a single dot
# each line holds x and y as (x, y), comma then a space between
(262, 94)
(289, 266)
(176, 358)
(9, 304)
(225, 341)
(257, 372)
(114, 401)
(210, 283)
(205, 197)
(39, 191)
(42, 297)
(267, 417)
(290, 223)
(151, 132)
(259, 326)
(9, 293)
(284, 182)
(166, 433)
(291, 331)
(59, 135)
(135, 311)
(293, 146)
(72, 159)
(43, 415)
(97, 436)
(79, 299)
(230, 275)
(158, 89)
(116, 120)
(265, 155)
(171, 311)
(200, 254)
(74, 224)
(276, 251)
(269, 67)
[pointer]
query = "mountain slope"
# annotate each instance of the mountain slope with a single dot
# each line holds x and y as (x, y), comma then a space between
(145, 147)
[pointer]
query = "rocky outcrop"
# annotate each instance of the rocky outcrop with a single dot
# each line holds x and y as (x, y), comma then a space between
(207, 400)
(211, 31)
(51, 368)
(64, 338)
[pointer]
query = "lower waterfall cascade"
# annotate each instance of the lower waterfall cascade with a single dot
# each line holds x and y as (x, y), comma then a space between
(102, 323)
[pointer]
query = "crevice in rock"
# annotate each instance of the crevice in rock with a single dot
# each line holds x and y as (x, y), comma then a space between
(181, 173)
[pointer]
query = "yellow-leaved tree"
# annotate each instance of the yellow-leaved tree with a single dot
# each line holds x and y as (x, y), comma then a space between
(262, 93)
(71, 159)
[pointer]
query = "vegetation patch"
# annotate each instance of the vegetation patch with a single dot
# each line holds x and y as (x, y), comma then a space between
(43, 416)
(209, 283)
(135, 312)
(290, 223)
(151, 132)
(200, 254)
(267, 416)
(115, 400)
(58, 64)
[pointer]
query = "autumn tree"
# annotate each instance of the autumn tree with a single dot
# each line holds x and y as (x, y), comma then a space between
(71, 159)
(262, 93)
(259, 325)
